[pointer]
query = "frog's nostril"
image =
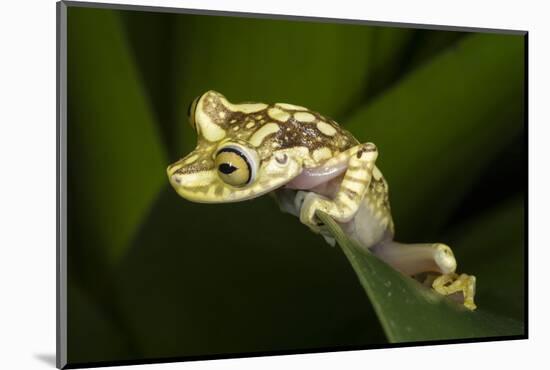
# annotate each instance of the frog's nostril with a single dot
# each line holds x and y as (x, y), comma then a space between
(176, 179)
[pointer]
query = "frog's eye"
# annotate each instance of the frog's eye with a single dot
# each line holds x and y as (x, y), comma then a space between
(236, 165)
(191, 112)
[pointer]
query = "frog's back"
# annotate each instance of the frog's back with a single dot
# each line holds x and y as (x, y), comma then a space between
(279, 126)
(304, 128)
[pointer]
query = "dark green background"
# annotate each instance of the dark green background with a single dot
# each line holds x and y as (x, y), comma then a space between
(152, 275)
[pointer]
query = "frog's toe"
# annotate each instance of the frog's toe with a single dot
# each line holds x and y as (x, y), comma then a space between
(299, 199)
(311, 203)
(448, 284)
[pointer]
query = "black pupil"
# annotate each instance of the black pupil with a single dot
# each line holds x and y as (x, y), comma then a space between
(227, 168)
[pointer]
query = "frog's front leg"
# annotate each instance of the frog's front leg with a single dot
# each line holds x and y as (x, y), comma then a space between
(350, 194)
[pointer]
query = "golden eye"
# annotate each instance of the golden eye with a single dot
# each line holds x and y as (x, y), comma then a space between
(191, 112)
(235, 166)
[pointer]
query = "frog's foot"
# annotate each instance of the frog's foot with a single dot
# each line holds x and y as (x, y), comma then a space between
(311, 203)
(448, 284)
(313, 221)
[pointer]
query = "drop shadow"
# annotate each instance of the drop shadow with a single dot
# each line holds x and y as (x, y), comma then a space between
(47, 358)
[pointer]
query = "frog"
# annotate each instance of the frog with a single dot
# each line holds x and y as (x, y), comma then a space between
(308, 163)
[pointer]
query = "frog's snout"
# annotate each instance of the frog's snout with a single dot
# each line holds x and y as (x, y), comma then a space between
(174, 177)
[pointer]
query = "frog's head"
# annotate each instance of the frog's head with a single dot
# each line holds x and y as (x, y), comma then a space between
(239, 154)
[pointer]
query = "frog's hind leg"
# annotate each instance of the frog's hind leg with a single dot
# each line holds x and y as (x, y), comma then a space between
(413, 259)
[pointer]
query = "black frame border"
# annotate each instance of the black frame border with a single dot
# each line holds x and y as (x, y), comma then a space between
(61, 185)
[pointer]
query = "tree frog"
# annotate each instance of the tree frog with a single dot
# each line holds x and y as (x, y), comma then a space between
(308, 163)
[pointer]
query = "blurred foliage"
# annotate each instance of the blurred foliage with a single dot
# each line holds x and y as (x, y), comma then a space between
(410, 123)
(492, 245)
(240, 286)
(121, 160)
(322, 65)
(152, 275)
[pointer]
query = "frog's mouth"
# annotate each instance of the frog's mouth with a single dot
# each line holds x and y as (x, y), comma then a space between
(309, 178)
(204, 185)
(195, 182)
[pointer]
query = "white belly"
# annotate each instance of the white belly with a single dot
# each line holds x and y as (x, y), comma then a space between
(368, 228)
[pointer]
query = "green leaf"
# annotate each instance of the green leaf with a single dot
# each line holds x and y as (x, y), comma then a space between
(116, 160)
(442, 124)
(409, 311)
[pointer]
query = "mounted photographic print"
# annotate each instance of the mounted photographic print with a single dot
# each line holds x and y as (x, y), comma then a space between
(236, 184)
